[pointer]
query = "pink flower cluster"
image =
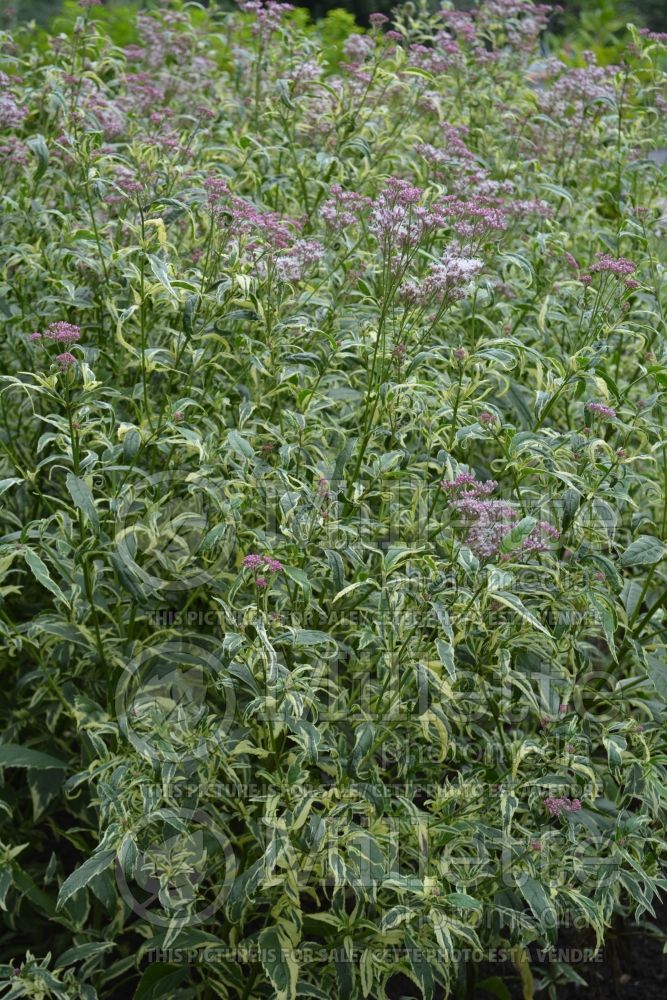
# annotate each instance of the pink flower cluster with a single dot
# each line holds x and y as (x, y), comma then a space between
(399, 219)
(445, 280)
(342, 208)
(616, 265)
(64, 333)
(474, 220)
(654, 36)
(490, 521)
(537, 540)
(126, 181)
(266, 563)
(558, 806)
(455, 147)
(439, 57)
(303, 255)
(521, 21)
(61, 332)
(357, 48)
(571, 96)
(245, 219)
(11, 114)
(465, 484)
(268, 15)
(396, 219)
(606, 412)
(163, 37)
(13, 151)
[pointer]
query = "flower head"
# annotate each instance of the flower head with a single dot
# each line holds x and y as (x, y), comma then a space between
(65, 360)
(252, 561)
(304, 254)
(63, 333)
(466, 485)
(488, 522)
(267, 563)
(606, 412)
(560, 805)
(445, 279)
(615, 265)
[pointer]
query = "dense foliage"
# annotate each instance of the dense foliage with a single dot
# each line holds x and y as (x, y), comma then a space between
(333, 525)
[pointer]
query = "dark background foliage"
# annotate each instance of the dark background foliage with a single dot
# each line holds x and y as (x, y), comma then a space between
(650, 12)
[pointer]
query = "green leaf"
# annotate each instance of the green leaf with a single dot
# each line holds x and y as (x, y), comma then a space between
(396, 555)
(446, 654)
(496, 987)
(44, 784)
(342, 460)
(41, 574)
(657, 671)
(239, 445)
(539, 901)
(308, 990)
(80, 878)
(277, 957)
(420, 967)
(508, 806)
(5, 484)
(83, 499)
(366, 971)
(83, 951)
(38, 145)
(300, 578)
(463, 900)
(310, 637)
(615, 744)
(351, 587)
(608, 620)
(6, 881)
(362, 745)
(13, 755)
(644, 551)
(160, 980)
(397, 915)
(159, 269)
(513, 602)
(518, 534)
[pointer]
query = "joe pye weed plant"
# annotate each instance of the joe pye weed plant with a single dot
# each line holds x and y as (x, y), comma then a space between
(333, 599)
